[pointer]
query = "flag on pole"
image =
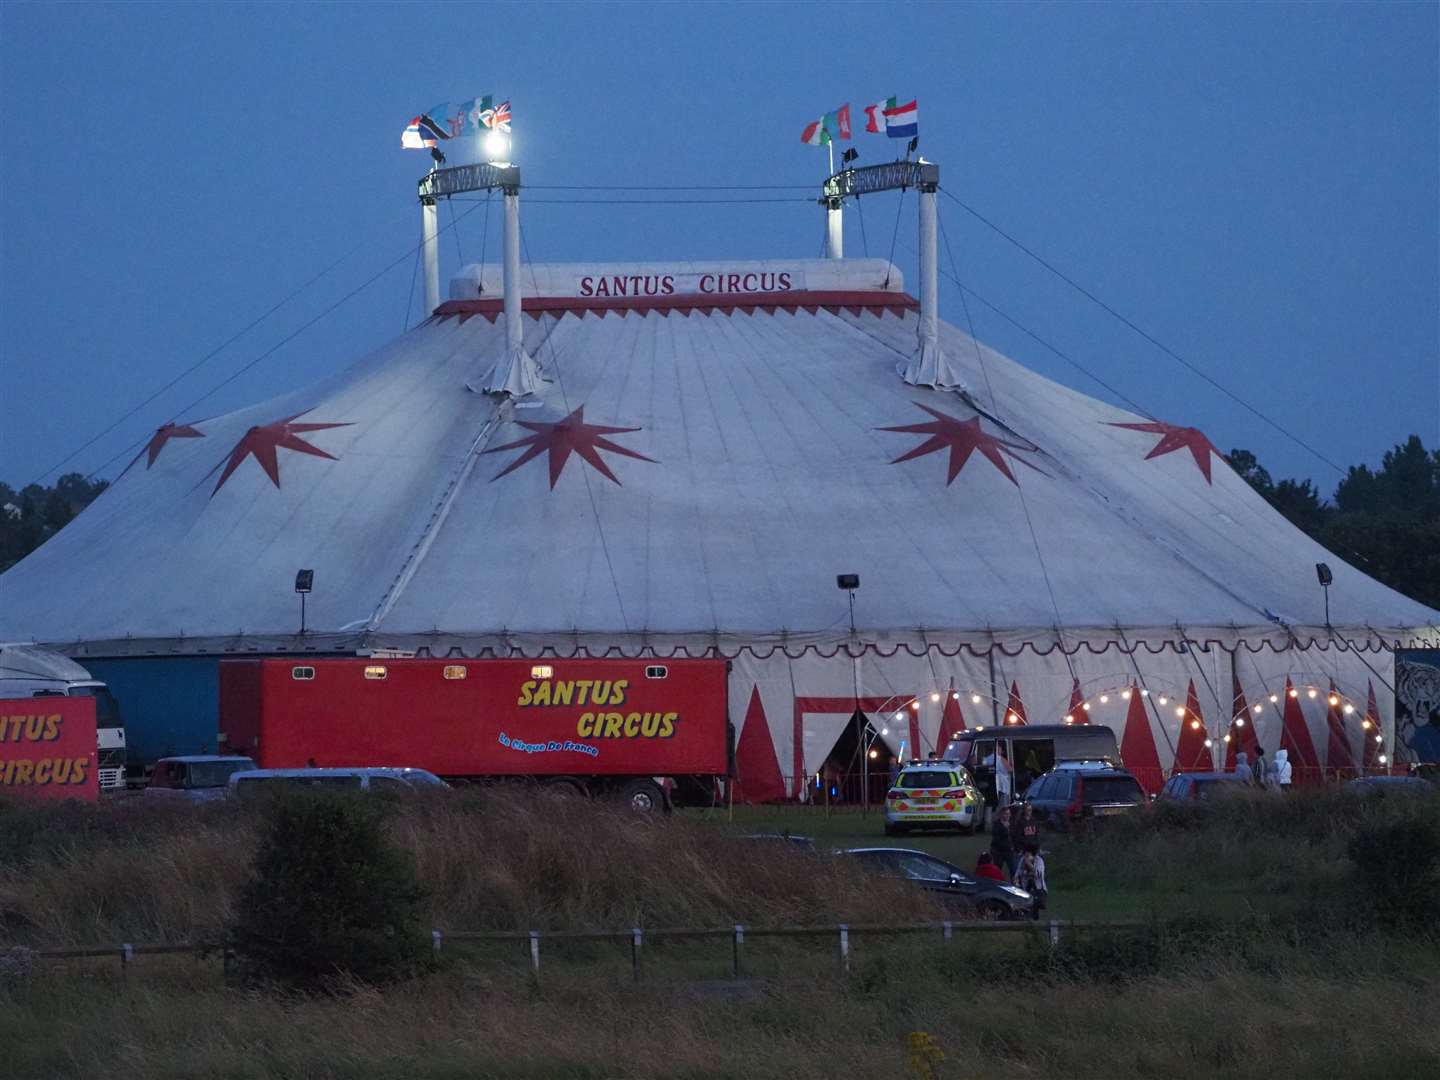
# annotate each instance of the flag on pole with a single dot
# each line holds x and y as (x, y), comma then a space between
(893, 119)
(422, 133)
(833, 125)
(498, 117)
(902, 121)
(875, 116)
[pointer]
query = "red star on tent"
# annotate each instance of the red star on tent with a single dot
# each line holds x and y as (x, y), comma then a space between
(962, 438)
(564, 437)
(163, 434)
(1174, 437)
(266, 441)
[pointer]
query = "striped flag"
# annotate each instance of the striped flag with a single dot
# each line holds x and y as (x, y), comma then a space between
(893, 119)
(422, 133)
(833, 125)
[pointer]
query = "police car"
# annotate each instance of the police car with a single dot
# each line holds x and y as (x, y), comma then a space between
(933, 794)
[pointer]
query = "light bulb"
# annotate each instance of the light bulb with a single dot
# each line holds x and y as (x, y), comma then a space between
(874, 753)
(955, 694)
(975, 699)
(915, 705)
(899, 716)
(1294, 692)
(1194, 724)
(1227, 738)
(1179, 710)
(934, 697)
(1382, 759)
(1379, 738)
(1313, 693)
(1208, 744)
(1334, 699)
(1086, 706)
(1365, 724)
(1104, 699)
(1125, 694)
(1239, 721)
(1164, 700)
(1258, 709)
(1274, 698)
(884, 731)
(1348, 709)
(1144, 693)
(1069, 719)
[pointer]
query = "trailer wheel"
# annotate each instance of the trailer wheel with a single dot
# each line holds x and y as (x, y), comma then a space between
(566, 787)
(643, 797)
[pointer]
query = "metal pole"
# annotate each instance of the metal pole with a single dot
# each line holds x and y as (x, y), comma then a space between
(430, 247)
(929, 330)
(834, 229)
(514, 332)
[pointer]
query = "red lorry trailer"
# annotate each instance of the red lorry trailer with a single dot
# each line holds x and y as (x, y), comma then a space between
(603, 726)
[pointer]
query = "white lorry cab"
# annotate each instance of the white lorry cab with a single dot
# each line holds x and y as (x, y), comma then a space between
(29, 671)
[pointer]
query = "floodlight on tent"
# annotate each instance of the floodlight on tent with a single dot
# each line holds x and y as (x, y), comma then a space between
(497, 147)
(304, 582)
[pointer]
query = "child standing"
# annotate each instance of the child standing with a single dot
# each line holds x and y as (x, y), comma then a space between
(1031, 878)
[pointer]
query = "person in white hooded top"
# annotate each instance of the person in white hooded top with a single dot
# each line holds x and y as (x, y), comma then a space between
(1281, 770)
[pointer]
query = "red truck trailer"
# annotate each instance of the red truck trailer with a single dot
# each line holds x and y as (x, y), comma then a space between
(605, 727)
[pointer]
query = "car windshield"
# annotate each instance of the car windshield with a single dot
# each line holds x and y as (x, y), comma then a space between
(925, 778)
(341, 781)
(1112, 789)
(922, 867)
(205, 774)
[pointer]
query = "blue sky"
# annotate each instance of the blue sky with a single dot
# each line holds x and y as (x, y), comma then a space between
(1258, 186)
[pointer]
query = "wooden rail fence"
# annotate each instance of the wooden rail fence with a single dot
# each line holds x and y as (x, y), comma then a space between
(636, 937)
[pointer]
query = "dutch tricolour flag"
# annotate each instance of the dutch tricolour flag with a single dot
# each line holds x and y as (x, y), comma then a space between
(902, 121)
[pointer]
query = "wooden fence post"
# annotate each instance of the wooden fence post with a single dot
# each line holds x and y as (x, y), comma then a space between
(435, 938)
(127, 953)
(947, 930)
(1054, 933)
(635, 952)
(844, 949)
(737, 941)
(535, 953)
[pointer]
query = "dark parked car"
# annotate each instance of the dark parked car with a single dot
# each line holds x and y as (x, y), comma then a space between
(782, 840)
(1067, 796)
(1202, 785)
(1387, 785)
(955, 888)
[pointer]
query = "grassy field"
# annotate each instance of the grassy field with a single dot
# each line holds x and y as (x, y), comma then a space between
(1264, 954)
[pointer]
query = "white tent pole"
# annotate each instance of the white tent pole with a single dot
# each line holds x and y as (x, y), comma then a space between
(514, 332)
(929, 329)
(834, 229)
(430, 247)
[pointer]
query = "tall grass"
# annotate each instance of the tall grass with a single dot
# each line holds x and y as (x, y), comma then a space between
(134, 871)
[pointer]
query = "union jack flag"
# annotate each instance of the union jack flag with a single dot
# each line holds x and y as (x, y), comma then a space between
(498, 117)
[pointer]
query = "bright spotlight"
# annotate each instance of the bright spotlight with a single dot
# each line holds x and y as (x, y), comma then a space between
(497, 146)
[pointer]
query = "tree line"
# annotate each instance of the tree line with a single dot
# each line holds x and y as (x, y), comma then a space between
(1385, 521)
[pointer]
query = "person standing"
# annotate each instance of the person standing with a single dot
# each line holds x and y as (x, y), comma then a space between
(1281, 770)
(1259, 772)
(1031, 878)
(1028, 827)
(1242, 766)
(1002, 844)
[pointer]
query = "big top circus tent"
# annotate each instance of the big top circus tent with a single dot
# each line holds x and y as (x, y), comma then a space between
(678, 459)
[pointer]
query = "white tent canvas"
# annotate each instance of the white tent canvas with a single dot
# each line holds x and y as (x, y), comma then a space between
(692, 472)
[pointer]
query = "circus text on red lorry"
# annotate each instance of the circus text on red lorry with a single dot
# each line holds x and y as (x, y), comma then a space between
(608, 727)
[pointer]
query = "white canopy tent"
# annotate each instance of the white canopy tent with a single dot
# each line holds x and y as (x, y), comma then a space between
(708, 447)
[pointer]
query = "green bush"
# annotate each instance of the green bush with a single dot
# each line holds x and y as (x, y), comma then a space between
(1397, 864)
(330, 898)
